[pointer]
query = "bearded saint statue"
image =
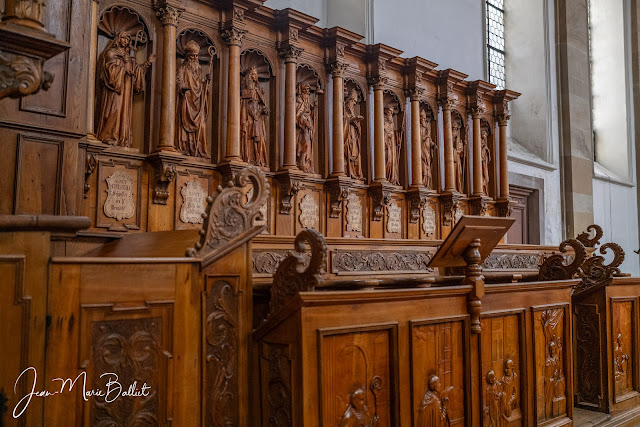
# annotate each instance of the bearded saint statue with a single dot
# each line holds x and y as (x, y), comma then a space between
(192, 104)
(120, 78)
(305, 128)
(352, 137)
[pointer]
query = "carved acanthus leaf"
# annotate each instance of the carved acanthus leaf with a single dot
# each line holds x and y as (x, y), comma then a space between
(555, 267)
(21, 75)
(291, 276)
(227, 216)
(591, 242)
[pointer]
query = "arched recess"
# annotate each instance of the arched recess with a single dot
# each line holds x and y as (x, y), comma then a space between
(429, 148)
(460, 152)
(257, 102)
(114, 22)
(489, 158)
(356, 131)
(210, 66)
(394, 133)
(310, 119)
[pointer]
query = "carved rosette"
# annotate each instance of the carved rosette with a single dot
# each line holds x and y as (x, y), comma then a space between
(227, 215)
(555, 267)
(292, 276)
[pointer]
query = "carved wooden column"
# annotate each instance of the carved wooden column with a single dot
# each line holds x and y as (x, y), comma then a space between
(169, 16)
(501, 111)
(93, 58)
(378, 129)
(233, 35)
(290, 55)
(477, 151)
(447, 97)
(337, 72)
(416, 140)
(474, 278)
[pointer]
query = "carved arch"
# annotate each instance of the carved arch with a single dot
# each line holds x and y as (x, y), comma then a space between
(254, 57)
(117, 18)
(349, 84)
(207, 46)
(306, 74)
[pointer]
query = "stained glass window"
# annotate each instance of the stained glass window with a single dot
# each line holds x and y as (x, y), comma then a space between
(495, 42)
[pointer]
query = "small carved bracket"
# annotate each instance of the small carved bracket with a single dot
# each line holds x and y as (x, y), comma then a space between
(380, 197)
(449, 203)
(338, 192)
(289, 187)
(479, 205)
(417, 201)
(591, 242)
(90, 165)
(555, 267)
(504, 207)
(291, 276)
(165, 174)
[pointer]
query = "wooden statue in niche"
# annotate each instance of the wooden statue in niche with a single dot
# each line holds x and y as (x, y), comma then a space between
(352, 136)
(459, 152)
(120, 75)
(193, 92)
(254, 108)
(433, 408)
(307, 90)
(486, 158)
(429, 149)
(392, 145)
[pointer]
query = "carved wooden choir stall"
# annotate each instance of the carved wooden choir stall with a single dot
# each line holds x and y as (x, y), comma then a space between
(267, 222)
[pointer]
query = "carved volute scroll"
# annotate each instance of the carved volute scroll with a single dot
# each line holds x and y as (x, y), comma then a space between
(120, 75)
(255, 71)
(308, 89)
(227, 216)
(555, 267)
(194, 78)
(586, 239)
(594, 272)
(292, 276)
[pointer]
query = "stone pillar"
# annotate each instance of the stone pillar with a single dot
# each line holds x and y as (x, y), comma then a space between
(449, 173)
(233, 37)
(337, 73)
(378, 132)
(93, 58)
(290, 60)
(504, 169)
(169, 16)
(477, 152)
(416, 140)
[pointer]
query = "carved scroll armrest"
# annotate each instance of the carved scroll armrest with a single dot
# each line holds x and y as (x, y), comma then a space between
(555, 266)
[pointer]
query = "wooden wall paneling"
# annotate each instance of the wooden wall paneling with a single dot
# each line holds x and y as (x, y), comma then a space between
(38, 174)
(551, 328)
(440, 347)
(358, 366)
(502, 348)
(623, 349)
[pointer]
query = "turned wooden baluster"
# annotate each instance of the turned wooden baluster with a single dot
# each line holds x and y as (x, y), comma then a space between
(475, 279)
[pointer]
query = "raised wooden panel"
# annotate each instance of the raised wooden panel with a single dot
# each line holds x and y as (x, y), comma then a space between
(275, 383)
(124, 205)
(309, 209)
(588, 381)
(358, 374)
(188, 185)
(14, 328)
(501, 369)
(134, 348)
(38, 175)
(221, 343)
(551, 367)
(623, 331)
(438, 349)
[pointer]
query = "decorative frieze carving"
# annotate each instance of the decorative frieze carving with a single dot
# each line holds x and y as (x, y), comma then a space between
(380, 261)
(394, 218)
(429, 225)
(194, 197)
(354, 213)
(511, 261)
(309, 212)
(119, 203)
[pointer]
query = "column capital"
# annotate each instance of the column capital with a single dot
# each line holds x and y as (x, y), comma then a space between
(476, 112)
(414, 93)
(378, 82)
(446, 102)
(502, 119)
(337, 68)
(169, 15)
(233, 36)
(290, 53)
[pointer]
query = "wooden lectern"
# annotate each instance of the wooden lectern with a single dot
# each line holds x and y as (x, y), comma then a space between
(469, 243)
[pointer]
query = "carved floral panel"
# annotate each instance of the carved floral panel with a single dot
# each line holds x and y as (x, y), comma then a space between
(349, 262)
(437, 373)
(309, 212)
(394, 218)
(354, 213)
(550, 363)
(500, 371)
(275, 376)
(194, 197)
(356, 371)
